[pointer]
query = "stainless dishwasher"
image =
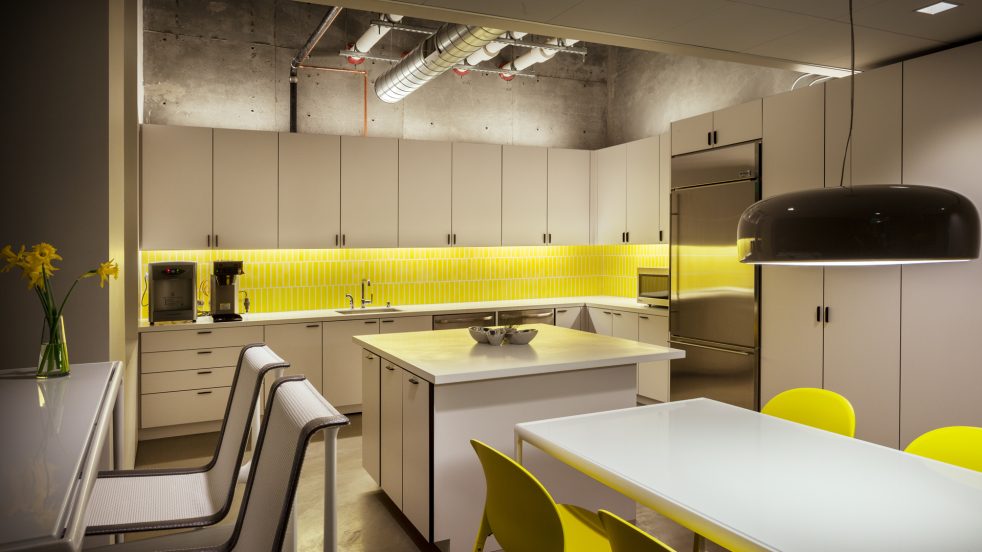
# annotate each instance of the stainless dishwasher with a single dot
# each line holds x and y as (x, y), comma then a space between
(529, 316)
(464, 320)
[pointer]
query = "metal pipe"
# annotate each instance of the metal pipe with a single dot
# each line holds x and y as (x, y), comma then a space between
(536, 55)
(370, 38)
(450, 45)
(302, 55)
(492, 49)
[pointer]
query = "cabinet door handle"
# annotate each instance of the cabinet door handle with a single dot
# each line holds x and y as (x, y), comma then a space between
(818, 313)
(414, 381)
(336, 240)
(204, 392)
(544, 238)
(369, 357)
(389, 368)
(617, 314)
(343, 240)
(371, 321)
(628, 234)
(204, 372)
(209, 240)
(204, 352)
(560, 311)
(448, 239)
(455, 239)
(550, 237)
(216, 240)
(827, 315)
(606, 312)
(715, 138)
(388, 321)
(661, 235)
(709, 138)
(313, 325)
(643, 317)
(203, 332)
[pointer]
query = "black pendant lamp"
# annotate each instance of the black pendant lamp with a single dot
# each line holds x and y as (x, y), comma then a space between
(862, 225)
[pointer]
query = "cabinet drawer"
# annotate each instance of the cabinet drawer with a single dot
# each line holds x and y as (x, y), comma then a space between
(183, 380)
(183, 407)
(173, 361)
(200, 339)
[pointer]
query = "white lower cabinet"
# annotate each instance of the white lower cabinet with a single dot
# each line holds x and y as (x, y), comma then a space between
(370, 418)
(569, 317)
(390, 434)
(625, 325)
(599, 321)
(416, 451)
(403, 432)
(300, 346)
(342, 357)
(653, 377)
(406, 324)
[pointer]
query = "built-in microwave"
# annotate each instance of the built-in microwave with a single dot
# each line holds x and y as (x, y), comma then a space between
(653, 286)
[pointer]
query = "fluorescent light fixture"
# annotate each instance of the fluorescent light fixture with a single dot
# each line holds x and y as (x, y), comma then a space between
(937, 8)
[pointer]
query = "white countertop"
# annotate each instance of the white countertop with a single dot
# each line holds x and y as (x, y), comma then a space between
(328, 315)
(452, 356)
(754, 482)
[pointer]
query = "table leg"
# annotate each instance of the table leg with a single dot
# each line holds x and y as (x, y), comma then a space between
(698, 543)
(518, 449)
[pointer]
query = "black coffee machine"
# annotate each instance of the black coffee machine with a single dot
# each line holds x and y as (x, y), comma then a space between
(225, 291)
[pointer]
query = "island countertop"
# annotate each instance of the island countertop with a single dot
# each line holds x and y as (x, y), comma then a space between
(451, 356)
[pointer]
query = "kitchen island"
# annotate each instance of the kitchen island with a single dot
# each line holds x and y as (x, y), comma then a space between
(426, 394)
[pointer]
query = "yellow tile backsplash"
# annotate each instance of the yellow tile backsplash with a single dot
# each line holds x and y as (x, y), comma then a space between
(304, 279)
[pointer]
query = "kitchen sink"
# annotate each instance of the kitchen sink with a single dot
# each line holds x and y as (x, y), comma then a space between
(369, 310)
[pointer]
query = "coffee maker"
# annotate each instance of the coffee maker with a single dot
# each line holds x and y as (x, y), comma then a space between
(225, 291)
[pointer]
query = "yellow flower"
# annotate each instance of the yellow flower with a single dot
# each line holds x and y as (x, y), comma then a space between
(107, 269)
(13, 259)
(43, 254)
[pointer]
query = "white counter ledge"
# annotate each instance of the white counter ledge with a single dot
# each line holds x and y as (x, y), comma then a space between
(329, 315)
(451, 356)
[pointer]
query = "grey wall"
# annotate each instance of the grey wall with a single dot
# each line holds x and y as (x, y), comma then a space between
(226, 64)
(54, 168)
(649, 90)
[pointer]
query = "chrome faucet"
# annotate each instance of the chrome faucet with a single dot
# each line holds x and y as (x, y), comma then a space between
(351, 301)
(366, 282)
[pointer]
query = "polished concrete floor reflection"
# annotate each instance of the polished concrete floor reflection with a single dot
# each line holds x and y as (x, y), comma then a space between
(367, 520)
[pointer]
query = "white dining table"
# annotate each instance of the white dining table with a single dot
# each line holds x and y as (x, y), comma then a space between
(748, 481)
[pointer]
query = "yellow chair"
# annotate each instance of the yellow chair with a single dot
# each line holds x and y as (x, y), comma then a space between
(625, 537)
(523, 516)
(818, 408)
(958, 445)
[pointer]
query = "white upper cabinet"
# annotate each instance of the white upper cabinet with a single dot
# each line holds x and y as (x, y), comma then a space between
(877, 136)
(611, 194)
(424, 193)
(310, 191)
(739, 123)
(642, 191)
(524, 195)
(369, 192)
(692, 134)
(176, 187)
(794, 141)
(569, 197)
(476, 194)
(245, 189)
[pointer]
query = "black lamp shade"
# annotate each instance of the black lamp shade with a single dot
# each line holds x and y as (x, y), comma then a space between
(876, 224)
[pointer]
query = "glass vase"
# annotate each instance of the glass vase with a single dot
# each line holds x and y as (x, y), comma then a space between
(53, 358)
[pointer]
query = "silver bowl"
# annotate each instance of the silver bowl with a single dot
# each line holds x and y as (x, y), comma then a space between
(522, 337)
(479, 334)
(496, 335)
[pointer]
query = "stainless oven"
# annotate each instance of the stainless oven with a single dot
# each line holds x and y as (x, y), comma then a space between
(653, 286)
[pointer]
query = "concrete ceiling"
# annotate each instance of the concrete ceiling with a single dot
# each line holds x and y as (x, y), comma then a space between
(803, 35)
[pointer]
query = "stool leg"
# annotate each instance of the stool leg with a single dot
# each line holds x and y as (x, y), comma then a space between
(698, 543)
(482, 534)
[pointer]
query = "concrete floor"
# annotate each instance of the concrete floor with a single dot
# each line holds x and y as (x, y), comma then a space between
(367, 520)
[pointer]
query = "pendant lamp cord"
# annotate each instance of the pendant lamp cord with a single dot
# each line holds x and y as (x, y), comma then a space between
(852, 95)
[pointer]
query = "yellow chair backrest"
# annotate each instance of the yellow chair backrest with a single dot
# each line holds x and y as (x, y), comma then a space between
(521, 513)
(625, 537)
(958, 445)
(819, 408)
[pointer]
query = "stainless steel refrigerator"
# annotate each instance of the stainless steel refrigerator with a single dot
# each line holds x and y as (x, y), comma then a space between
(714, 313)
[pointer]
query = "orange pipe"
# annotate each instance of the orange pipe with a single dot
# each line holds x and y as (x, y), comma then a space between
(364, 80)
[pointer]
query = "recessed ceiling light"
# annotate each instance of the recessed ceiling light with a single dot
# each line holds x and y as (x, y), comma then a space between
(937, 8)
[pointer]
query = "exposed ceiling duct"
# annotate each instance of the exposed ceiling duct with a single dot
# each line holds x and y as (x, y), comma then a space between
(448, 46)
(370, 38)
(535, 55)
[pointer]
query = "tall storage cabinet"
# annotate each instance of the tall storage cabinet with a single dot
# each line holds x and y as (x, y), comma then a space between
(309, 191)
(424, 193)
(176, 189)
(245, 189)
(476, 194)
(369, 192)
(942, 307)
(524, 195)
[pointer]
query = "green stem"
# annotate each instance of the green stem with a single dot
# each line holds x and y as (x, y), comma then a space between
(65, 300)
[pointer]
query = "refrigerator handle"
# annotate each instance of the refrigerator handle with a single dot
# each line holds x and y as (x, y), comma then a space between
(720, 349)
